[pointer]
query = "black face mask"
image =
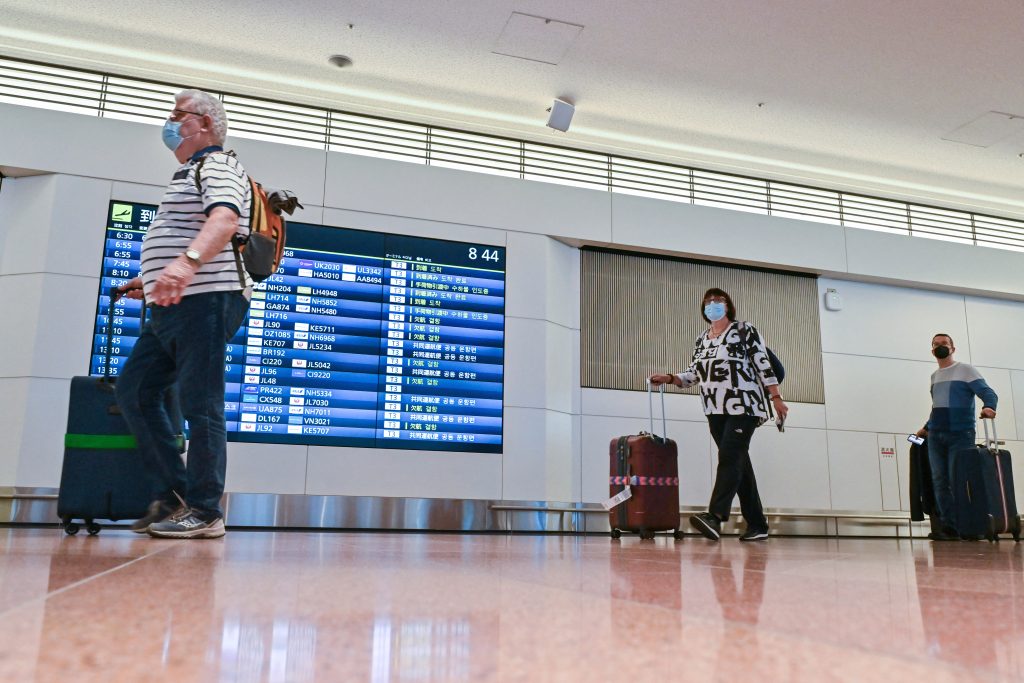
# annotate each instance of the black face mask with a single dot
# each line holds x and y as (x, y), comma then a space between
(941, 352)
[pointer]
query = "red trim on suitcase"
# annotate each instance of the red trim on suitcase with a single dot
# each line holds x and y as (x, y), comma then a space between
(643, 481)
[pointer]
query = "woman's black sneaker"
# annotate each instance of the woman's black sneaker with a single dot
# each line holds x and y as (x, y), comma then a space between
(708, 525)
(754, 535)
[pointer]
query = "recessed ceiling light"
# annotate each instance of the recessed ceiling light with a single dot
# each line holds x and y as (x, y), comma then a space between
(340, 61)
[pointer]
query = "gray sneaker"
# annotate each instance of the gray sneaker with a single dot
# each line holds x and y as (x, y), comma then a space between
(188, 525)
(158, 511)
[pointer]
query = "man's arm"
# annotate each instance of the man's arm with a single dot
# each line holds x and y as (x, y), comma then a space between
(176, 276)
(988, 397)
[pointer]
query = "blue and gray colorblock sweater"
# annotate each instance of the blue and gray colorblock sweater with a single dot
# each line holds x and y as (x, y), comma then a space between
(953, 392)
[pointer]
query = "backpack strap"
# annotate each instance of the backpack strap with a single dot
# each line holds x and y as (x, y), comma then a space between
(202, 160)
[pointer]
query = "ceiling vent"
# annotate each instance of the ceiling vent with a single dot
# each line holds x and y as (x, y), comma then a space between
(536, 38)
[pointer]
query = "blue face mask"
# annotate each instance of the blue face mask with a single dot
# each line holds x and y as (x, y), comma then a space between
(172, 135)
(714, 311)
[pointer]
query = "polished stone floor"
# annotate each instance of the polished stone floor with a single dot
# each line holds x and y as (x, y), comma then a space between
(291, 606)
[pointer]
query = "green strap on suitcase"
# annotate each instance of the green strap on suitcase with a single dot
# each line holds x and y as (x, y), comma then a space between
(114, 442)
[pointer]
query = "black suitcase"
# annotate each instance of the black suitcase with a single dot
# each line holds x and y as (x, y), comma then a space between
(983, 494)
(103, 476)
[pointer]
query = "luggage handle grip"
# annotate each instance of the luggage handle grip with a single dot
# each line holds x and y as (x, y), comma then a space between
(991, 442)
(650, 406)
(116, 294)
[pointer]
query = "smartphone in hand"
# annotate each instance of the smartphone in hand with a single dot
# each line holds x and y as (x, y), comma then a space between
(915, 439)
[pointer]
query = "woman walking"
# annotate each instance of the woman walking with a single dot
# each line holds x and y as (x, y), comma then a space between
(730, 363)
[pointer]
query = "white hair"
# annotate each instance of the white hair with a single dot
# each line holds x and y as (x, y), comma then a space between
(204, 103)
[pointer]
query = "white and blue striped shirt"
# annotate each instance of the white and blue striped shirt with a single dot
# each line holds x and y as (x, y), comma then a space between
(183, 212)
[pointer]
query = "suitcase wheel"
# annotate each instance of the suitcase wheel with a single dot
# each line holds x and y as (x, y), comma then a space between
(646, 535)
(616, 533)
(678, 534)
(70, 528)
(92, 527)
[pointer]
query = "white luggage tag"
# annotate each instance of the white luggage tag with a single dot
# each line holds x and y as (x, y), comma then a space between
(619, 498)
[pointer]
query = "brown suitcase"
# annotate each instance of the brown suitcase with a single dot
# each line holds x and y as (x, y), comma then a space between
(649, 466)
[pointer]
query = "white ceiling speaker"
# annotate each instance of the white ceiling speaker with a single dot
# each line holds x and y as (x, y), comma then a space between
(561, 115)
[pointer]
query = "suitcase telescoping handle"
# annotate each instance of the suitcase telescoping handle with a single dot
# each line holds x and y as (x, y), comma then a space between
(650, 405)
(110, 329)
(991, 442)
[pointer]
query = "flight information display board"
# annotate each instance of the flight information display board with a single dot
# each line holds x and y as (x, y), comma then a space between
(360, 339)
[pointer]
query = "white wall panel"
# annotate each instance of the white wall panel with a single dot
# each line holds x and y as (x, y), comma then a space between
(1016, 449)
(538, 366)
(538, 462)
(402, 474)
(13, 404)
(404, 225)
(76, 228)
(265, 468)
(137, 192)
(888, 471)
(853, 471)
(876, 394)
(63, 335)
(791, 468)
(98, 144)
(20, 308)
(84, 145)
(933, 263)
(730, 235)
(402, 189)
(1006, 413)
(695, 465)
(26, 205)
(1017, 379)
(42, 442)
(542, 280)
(890, 322)
(997, 328)
(284, 167)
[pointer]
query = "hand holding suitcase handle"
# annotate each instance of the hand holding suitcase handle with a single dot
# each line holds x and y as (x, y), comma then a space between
(115, 294)
(650, 405)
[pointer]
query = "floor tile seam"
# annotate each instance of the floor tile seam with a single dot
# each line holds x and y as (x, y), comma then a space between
(81, 582)
(774, 633)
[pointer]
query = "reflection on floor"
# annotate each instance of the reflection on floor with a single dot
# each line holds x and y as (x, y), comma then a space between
(265, 606)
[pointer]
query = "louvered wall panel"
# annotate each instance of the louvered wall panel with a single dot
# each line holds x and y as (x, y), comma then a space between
(641, 315)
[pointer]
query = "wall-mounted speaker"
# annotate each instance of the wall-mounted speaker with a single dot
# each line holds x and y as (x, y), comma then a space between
(561, 115)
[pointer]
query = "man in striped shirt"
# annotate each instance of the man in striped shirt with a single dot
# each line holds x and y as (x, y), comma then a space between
(950, 426)
(199, 295)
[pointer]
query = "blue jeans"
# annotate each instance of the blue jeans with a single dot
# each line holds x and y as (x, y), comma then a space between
(942, 449)
(184, 343)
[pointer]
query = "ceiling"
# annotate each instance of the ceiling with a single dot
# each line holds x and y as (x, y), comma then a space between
(847, 94)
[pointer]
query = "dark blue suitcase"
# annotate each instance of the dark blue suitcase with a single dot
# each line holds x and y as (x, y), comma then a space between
(983, 494)
(103, 476)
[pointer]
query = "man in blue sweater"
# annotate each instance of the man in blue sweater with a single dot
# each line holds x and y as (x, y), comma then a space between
(950, 426)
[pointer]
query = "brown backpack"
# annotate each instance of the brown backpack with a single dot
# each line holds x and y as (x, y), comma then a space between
(261, 251)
